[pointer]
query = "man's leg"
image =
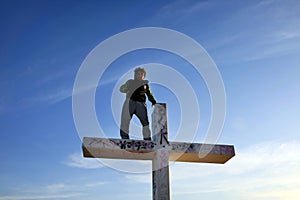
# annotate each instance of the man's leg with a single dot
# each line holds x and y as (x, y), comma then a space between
(141, 113)
(125, 120)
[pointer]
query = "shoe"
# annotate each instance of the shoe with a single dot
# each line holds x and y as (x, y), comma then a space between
(124, 135)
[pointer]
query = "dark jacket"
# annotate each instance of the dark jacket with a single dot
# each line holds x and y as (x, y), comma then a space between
(136, 90)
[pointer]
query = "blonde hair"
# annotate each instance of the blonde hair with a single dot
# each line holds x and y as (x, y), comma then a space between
(140, 69)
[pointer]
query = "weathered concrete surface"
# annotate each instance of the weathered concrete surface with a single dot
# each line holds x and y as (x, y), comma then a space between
(160, 160)
(160, 175)
(160, 123)
(144, 150)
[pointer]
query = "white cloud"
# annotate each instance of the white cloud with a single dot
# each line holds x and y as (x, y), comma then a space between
(94, 184)
(40, 196)
(77, 160)
(50, 191)
(140, 178)
(272, 49)
(54, 96)
(239, 124)
(52, 78)
(258, 31)
(286, 35)
(265, 3)
(178, 11)
(127, 166)
(63, 190)
(182, 8)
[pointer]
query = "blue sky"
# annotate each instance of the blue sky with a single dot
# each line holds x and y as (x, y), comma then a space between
(255, 45)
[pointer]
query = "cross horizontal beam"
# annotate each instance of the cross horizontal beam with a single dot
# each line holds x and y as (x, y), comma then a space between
(145, 150)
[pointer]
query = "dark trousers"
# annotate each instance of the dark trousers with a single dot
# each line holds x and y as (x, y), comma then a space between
(130, 108)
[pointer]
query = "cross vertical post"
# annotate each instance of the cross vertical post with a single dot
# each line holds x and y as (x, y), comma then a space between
(160, 161)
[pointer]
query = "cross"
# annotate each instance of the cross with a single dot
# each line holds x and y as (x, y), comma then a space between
(160, 151)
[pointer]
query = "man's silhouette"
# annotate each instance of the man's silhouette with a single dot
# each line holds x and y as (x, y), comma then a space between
(136, 90)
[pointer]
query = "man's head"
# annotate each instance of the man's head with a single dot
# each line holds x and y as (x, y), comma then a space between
(139, 73)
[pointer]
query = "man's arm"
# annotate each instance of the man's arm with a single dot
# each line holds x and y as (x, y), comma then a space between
(124, 87)
(150, 95)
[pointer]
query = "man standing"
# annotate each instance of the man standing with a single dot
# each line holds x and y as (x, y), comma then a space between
(136, 90)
